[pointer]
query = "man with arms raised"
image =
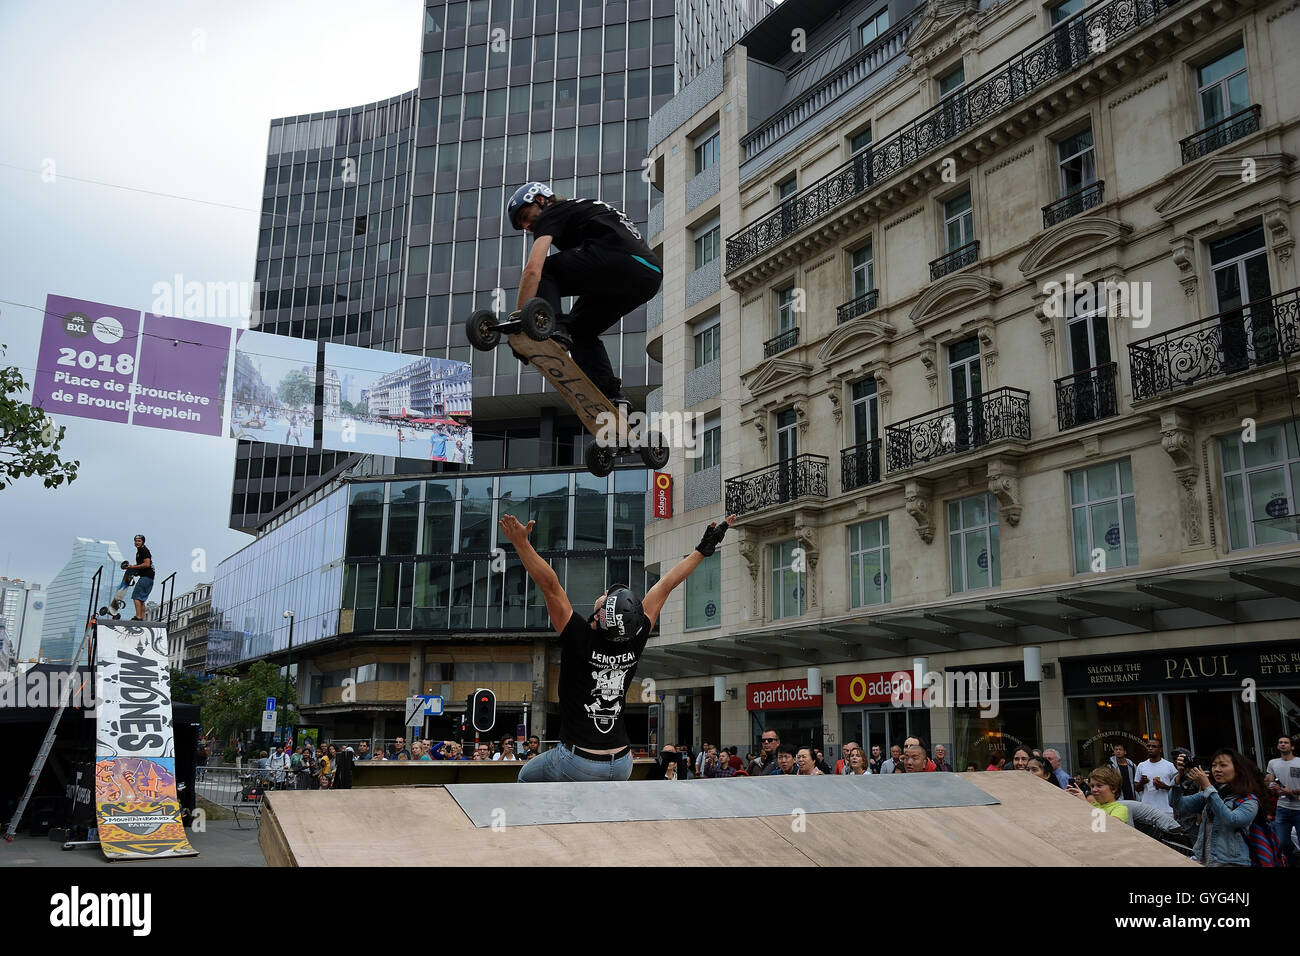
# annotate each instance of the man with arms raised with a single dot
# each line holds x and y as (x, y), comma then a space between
(599, 656)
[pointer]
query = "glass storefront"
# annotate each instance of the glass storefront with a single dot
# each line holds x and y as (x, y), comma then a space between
(1018, 721)
(883, 725)
(1241, 697)
(799, 728)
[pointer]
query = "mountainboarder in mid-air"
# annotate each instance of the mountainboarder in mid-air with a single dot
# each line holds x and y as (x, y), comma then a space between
(602, 260)
(599, 656)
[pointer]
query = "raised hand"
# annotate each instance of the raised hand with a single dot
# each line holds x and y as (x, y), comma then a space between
(713, 536)
(515, 531)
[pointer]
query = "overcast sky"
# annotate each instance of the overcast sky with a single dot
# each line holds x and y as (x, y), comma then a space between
(174, 98)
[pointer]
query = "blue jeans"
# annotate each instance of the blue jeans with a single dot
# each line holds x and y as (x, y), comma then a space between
(1286, 819)
(142, 588)
(562, 765)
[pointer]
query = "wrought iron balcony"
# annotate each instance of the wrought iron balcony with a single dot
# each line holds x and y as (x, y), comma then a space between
(1220, 134)
(959, 258)
(800, 477)
(958, 428)
(1086, 396)
(855, 307)
(1038, 65)
(860, 465)
(827, 90)
(1229, 343)
(1076, 202)
(786, 340)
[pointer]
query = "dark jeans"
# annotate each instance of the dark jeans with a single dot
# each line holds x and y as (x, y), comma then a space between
(609, 284)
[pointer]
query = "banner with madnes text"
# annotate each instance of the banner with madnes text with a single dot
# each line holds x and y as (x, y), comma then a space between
(136, 804)
(114, 364)
(390, 403)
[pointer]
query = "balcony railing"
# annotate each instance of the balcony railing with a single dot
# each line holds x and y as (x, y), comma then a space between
(799, 477)
(786, 340)
(1231, 342)
(1076, 202)
(860, 465)
(860, 306)
(959, 258)
(847, 76)
(1062, 51)
(1086, 396)
(1226, 131)
(958, 428)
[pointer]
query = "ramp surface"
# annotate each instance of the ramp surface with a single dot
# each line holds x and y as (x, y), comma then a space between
(1027, 822)
(535, 804)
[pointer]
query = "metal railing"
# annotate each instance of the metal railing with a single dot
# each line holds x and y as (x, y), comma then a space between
(786, 340)
(1203, 142)
(839, 81)
(855, 307)
(860, 465)
(1087, 396)
(240, 790)
(958, 428)
(1062, 51)
(959, 258)
(798, 477)
(1076, 202)
(1231, 342)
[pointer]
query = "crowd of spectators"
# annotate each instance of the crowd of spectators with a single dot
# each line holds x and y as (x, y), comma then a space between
(1222, 810)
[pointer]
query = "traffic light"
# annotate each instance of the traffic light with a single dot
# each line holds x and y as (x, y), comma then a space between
(483, 710)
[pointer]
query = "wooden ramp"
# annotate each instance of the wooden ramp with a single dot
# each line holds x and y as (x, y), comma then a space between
(1031, 824)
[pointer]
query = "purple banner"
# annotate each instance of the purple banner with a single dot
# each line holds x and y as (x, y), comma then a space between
(86, 364)
(181, 382)
(97, 361)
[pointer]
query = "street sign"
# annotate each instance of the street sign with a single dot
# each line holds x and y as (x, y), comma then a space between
(268, 721)
(270, 703)
(432, 705)
(414, 712)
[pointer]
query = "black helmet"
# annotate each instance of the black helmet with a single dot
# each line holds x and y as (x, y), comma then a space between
(619, 616)
(524, 195)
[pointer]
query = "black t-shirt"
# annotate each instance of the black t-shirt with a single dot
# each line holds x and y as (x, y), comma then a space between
(575, 221)
(594, 674)
(140, 554)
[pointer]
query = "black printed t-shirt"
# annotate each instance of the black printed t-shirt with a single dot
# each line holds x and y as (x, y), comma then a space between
(140, 554)
(594, 675)
(574, 221)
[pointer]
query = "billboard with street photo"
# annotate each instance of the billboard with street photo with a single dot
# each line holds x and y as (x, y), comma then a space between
(404, 406)
(274, 392)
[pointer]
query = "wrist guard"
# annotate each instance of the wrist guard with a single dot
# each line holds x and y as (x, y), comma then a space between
(712, 537)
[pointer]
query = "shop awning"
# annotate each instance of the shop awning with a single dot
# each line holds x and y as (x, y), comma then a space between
(1213, 594)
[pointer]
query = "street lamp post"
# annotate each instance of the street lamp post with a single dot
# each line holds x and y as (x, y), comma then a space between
(288, 666)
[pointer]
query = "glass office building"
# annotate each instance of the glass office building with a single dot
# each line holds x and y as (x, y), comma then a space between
(329, 260)
(425, 556)
(383, 224)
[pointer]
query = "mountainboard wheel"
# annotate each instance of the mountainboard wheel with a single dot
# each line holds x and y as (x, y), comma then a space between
(536, 320)
(600, 460)
(654, 454)
(480, 329)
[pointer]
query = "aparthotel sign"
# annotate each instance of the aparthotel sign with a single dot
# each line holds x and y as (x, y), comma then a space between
(780, 695)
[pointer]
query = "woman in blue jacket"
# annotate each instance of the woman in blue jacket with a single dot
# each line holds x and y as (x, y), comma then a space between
(1227, 806)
